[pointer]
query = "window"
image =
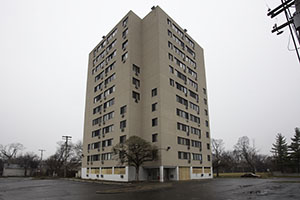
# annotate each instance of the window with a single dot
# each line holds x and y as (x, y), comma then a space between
(206, 112)
(109, 91)
(135, 95)
(96, 145)
(196, 131)
(112, 45)
(182, 101)
(170, 45)
(113, 54)
(190, 51)
(196, 144)
(95, 157)
(123, 110)
(183, 141)
(106, 156)
(123, 124)
(98, 87)
(170, 33)
(124, 44)
(154, 137)
(99, 76)
(154, 122)
(206, 123)
(172, 83)
(136, 69)
(182, 114)
(169, 22)
(190, 41)
(124, 34)
(154, 92)
(154, 107)
(204, 91)
(96, 133)
(136, 82)
(195, 118)
(108, 116)
(193, 84)
(176, 29)
(197, 156)
(108, 129)
(208, 157)
(208, 146)
(110, 79)
(194, 95)
(96, 121)
(182, 127)
(170, 57)
(110, 67)
(125, 22)
(124, 56)
(171, 69)
(194, 107)
(191, 72)
(97, 109)
(207, 134)
(180, 64)
(190, 61)
(180, 75)
(181, 88)
(205, 101)
(109, 103)
(98, 98)
(183, 155)
(122, 139)
(179, 52)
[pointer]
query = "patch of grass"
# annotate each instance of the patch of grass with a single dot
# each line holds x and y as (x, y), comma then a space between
(239, 174)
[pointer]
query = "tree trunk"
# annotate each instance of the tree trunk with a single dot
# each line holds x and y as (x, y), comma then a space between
(217, 170)
(137, 170)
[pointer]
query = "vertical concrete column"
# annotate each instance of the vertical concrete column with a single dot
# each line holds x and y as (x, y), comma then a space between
(191, 172)
(161, 173)
(177, 173)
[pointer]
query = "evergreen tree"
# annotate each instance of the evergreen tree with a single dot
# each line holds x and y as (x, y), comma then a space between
(280, 151)
(294, 149)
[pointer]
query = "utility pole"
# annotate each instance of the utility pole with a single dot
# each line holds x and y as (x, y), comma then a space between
(67, 138)
(41, 150)
(292, 21)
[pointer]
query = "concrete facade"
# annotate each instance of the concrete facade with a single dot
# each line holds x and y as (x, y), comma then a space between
(147, 78)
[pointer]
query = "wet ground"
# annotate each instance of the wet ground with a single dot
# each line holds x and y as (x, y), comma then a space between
(223, 189)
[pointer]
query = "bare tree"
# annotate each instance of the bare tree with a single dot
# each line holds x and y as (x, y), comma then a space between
(28, 161)
(217, 150)
(135, 151)
(246, 152)
(8, 152)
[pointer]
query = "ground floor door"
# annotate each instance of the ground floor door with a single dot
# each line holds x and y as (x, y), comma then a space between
(184, 173)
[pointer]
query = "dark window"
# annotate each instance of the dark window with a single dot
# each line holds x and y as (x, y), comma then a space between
(123, 124)
(136, 82)
(208, 146)
(122, 139)
(135, 95)
(206, 112)
(154, 107)
(154, 137)
(154, 92)
(123, 110)
(208, 157)
(136, 69)
(206, 123)
(172, 82)
(154, 122)
(207, 134)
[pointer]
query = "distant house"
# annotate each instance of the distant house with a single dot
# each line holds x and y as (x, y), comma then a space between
(14, 170)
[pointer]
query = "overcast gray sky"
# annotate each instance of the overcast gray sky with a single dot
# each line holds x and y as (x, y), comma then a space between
(253, 79)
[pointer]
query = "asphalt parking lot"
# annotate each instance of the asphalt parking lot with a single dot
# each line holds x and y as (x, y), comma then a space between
(222, 188)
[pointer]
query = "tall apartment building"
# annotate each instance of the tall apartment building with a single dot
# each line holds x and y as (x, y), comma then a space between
(147, 78)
